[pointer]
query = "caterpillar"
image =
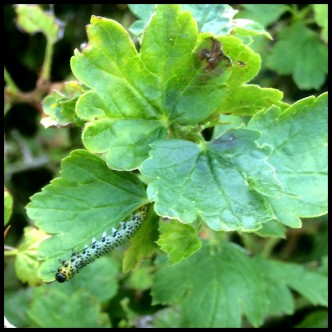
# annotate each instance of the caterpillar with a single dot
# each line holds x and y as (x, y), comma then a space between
(100, 247)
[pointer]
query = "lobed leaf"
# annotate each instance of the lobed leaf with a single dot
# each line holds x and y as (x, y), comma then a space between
(280, 277)
(321, 17)
(219, 283)
(178, 241)
(32, 19)
(135, 98)
(298, 139)
(245, 27)
(48, 309)
(59, 106)
(85, 201)
(221, 182)
(26, 262)
(214, 18)
(290, 55)
(250, 99)
(265, 14)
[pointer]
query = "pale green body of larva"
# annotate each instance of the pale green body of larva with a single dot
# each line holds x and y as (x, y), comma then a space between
(100, 247)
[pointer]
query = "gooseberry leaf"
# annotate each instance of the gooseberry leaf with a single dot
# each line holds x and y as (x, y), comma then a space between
(298, 139)
(59, 106)
(265, 14)
(296, 44)
(86, 200)
(215, 18)
(272, 228)
(32, 19)
(222, 182)
(179, 241)
(245, 27)
(135, 98)
(321, 17)
(49, 311)
(280, 278)
(316, 319)
(26, 262)
(234, 285)
(249, 99)
(221, 282)
(104, 272)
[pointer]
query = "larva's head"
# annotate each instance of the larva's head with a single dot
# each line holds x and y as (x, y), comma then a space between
(64, 273)
(60, 277)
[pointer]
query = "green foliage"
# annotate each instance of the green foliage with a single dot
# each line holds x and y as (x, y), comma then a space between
(146, 108)
(60, 106)
(233, 282)
(92, 200)
(264, 14)
(8, 206)
(317, 319)
(26, 264)
(321, 17)
(290, 55)
(298, 139)
(228, 165)
(32, 19)
(299, 49)
(178, 241)
(55, 309)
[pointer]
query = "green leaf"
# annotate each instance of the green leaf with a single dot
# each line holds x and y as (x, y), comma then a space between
(8, 206)
(59, 106)
(168, 317)
(272, 228)
(265, 14)
(85, 201)
(298, 139)
(249, 99)
(144, 13)
(178, 241)
(316, 319)
(53, 308)
(244, 27)
(32, 19)
(300, 52)
(112, 137)
(232, 167)
(141, 279)
(137, 97)
(321, 17)
(214, 18)
(142, 244)
(227, 122)
(282, 276)
(212, 288)
(99, 278)
(26, 263)
(16, 304)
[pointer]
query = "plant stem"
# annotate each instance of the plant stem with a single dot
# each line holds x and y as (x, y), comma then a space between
(46, 69)
(269, 245)
(10, 83)
(12, 252)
